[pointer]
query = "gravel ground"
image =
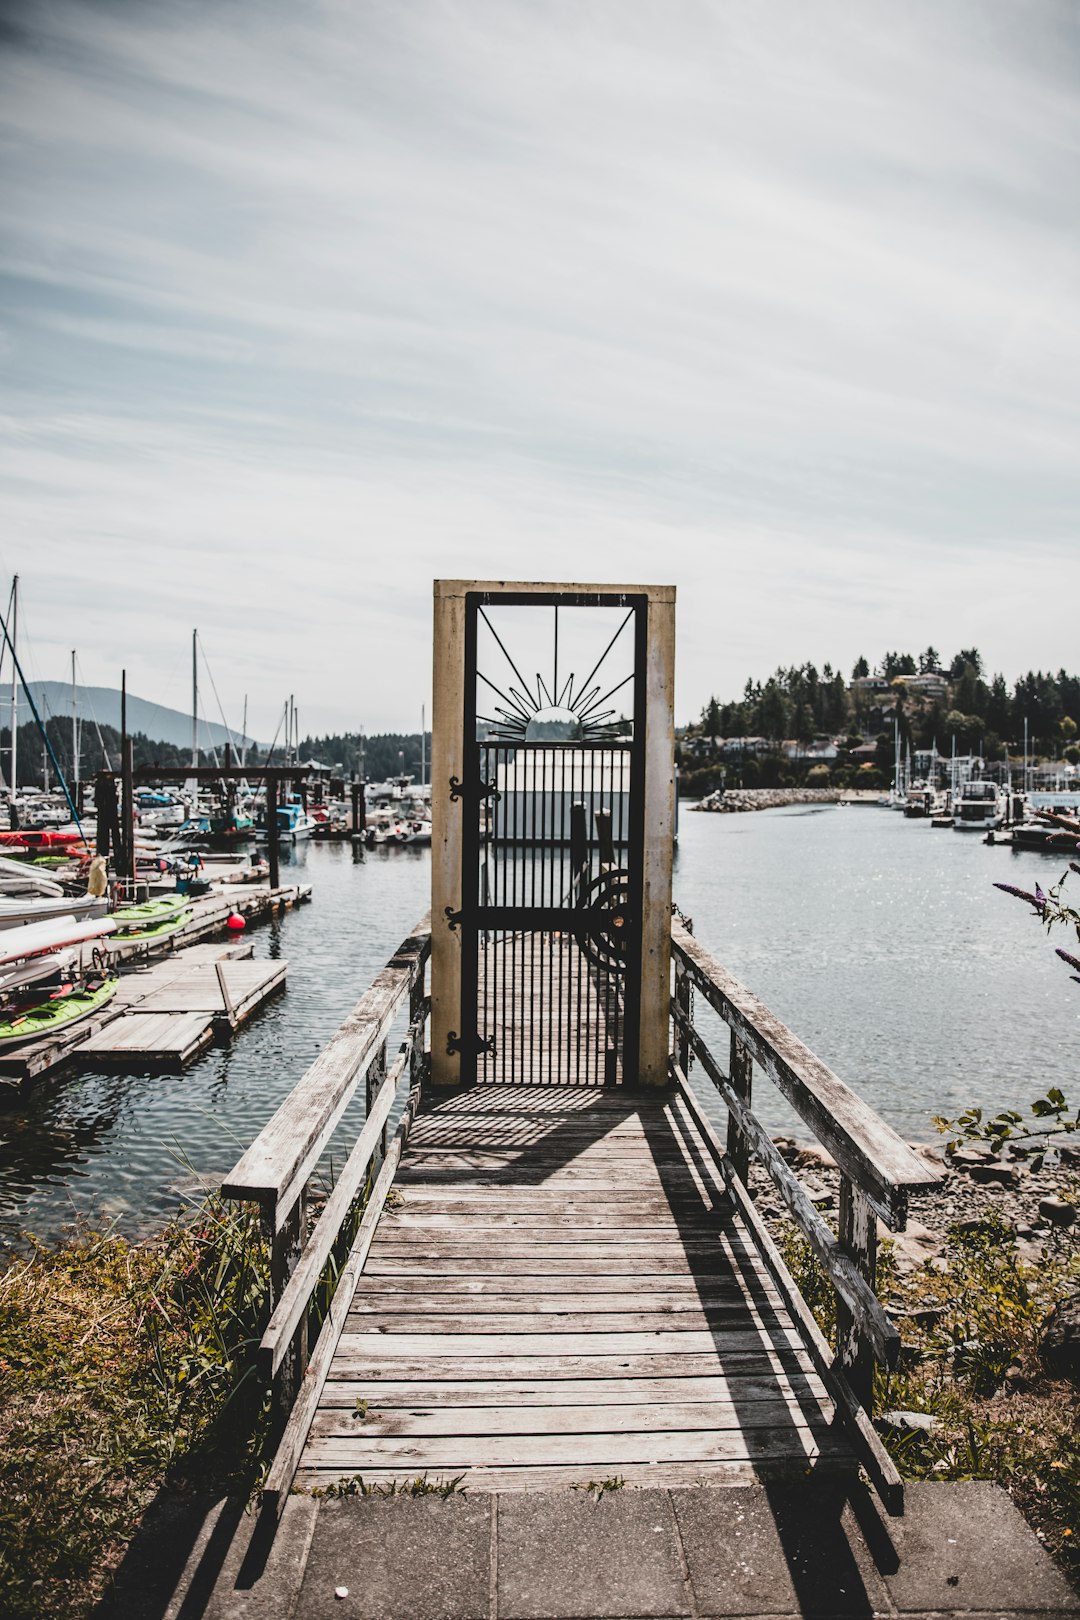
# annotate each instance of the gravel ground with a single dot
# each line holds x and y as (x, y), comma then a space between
(960, 1197)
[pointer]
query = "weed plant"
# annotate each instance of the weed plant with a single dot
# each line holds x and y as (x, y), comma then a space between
(123, 1367)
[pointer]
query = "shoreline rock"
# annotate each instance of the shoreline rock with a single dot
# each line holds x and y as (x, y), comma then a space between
(734, 800)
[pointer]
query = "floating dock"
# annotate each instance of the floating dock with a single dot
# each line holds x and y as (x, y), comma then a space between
(179, 993)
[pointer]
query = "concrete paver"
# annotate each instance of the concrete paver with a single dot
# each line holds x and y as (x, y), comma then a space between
(563, 1555)
(758, 1551)
(965, 1545)
(400, 1558)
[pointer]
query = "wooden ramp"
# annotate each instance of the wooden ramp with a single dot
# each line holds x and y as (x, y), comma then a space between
(559, 1292)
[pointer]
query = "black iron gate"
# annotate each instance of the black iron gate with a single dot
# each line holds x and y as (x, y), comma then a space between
(552, 847)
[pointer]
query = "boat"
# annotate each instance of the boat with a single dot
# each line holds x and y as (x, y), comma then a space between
(981, 807)
(19, 975)
(293, 822)
(67, 1006)
(39, 839)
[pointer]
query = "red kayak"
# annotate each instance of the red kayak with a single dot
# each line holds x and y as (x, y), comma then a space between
(39, 838)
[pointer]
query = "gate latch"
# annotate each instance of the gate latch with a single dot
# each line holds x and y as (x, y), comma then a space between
(472, 1045)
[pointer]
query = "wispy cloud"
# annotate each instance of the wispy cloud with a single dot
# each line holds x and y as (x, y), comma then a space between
(303, 306)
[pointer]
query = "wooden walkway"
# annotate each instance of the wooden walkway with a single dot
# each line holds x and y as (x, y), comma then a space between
(560, 1292)
(555, 1017)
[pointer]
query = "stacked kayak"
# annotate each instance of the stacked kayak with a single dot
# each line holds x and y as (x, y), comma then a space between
(67, 1004)
(153, 919)
(41, 989)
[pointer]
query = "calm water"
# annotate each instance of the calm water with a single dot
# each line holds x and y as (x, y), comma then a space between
(880, 941)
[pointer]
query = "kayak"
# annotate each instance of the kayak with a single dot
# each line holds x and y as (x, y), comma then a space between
(20, 913)
(19, 976)
(149, 910)
(39, 838)
(151, 929)
(37, 939)
(37, 1022)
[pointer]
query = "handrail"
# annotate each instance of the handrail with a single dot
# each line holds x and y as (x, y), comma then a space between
(878, 1170)
(276, 1167)
(865, 1148)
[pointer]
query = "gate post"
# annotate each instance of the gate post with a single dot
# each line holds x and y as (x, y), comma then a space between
(447, 760)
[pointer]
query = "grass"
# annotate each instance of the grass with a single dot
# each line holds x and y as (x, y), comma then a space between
(123, 1367)
(420, 1486)
(972, 1363)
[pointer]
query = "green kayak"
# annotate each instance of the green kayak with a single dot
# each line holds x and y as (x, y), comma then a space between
(152, 926)
(152, 919)
(42, 1020)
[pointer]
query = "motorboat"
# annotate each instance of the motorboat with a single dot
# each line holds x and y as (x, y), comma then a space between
(980, 807)
(293, 822)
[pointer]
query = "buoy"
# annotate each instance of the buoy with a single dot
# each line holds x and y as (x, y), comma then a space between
(235, 922)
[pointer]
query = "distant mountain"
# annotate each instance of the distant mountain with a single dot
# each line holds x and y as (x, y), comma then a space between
(102, 703)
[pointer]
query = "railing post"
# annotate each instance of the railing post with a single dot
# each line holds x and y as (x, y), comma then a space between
(286, 1244)
(858, 1238)
(375, 1076)
(684, 1000)
(740, 1070)
(416, 1004)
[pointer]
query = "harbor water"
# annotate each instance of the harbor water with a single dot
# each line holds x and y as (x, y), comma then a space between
(881, 942)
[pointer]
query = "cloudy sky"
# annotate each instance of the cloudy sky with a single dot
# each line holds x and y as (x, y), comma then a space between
(305, 302)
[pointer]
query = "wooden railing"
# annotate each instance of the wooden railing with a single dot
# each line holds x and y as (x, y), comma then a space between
(877, 1169)
(277, 1169)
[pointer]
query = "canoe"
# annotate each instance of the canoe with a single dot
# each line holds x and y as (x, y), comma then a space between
(35, 1023)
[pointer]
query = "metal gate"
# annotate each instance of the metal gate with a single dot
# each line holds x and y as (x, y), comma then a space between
(552, 845)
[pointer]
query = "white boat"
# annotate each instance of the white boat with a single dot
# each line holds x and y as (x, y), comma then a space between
(294, 823)
(981, 806)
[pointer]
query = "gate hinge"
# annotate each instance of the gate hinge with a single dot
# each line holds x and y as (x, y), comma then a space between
(453, 918)
(473, 1045)
(472, 790)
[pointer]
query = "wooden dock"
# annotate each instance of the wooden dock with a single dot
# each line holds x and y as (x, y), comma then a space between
(178, 993)
(562, 1293)
(553, 1285)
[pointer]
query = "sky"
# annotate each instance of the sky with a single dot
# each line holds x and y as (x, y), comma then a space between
(304, 303)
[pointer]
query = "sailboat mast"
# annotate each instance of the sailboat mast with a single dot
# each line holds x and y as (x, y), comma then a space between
(243, 740)
(194, 698)
(74, 724)
(14, 685)
(423, 746)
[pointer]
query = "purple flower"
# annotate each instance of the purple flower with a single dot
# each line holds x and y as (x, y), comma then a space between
(1073, 961)
(1038, 899)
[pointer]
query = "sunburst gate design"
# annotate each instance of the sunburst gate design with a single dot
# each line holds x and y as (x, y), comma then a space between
(583, 700)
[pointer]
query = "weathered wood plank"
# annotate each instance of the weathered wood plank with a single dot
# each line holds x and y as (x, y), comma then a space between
(659, 1475)
(412, 1393)
(653, 1341)
(715, 1417)
(726, 1316)
(750, 1357)
(608, 1450)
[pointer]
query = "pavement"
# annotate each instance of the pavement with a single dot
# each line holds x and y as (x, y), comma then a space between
(771, 1552)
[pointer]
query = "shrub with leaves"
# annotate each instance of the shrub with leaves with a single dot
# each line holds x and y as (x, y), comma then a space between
(123, 1366)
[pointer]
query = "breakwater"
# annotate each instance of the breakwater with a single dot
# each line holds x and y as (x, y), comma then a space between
(733, 800)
